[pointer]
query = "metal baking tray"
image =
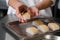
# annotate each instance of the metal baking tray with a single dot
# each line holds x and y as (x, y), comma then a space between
(19, 28)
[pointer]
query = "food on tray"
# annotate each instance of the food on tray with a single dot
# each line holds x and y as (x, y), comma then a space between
(53, 26)
(26, 16)
(43, 28)
(32, 30)
(37, 22)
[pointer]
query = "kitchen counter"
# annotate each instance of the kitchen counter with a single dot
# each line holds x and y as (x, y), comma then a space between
(15, 31)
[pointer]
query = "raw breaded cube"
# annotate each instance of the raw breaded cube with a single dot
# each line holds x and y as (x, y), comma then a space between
(37, 22)
(43, 28)
(53, 26)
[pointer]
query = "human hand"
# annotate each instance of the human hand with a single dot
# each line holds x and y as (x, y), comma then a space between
(19, 10)
(34, 11)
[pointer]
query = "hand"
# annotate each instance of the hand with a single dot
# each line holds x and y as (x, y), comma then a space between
(19, 11)
(34, 11)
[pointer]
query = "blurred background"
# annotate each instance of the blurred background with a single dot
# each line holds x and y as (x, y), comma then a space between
(3, 12)
(3, 4)
(3, 8)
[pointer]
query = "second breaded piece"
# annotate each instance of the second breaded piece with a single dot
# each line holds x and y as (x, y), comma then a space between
(43, 28)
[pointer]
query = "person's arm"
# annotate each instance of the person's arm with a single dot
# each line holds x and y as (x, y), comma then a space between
(18, 6)
(44, 4)
(14, 3)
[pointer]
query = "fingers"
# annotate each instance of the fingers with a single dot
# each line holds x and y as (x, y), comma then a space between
(21, 20)
(18, 14)
(36, 13)
(32, 14)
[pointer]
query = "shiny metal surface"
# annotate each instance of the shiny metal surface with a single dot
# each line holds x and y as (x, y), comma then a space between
(11, 18)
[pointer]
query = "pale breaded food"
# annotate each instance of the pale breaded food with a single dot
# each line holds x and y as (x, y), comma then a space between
(43, 28)
(37, 22)
(26, 15)
(53, 26)
(32, 30)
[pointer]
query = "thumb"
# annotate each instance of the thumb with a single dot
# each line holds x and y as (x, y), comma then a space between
(37, 13)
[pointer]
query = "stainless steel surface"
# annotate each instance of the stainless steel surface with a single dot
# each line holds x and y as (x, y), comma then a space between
(11, 18)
